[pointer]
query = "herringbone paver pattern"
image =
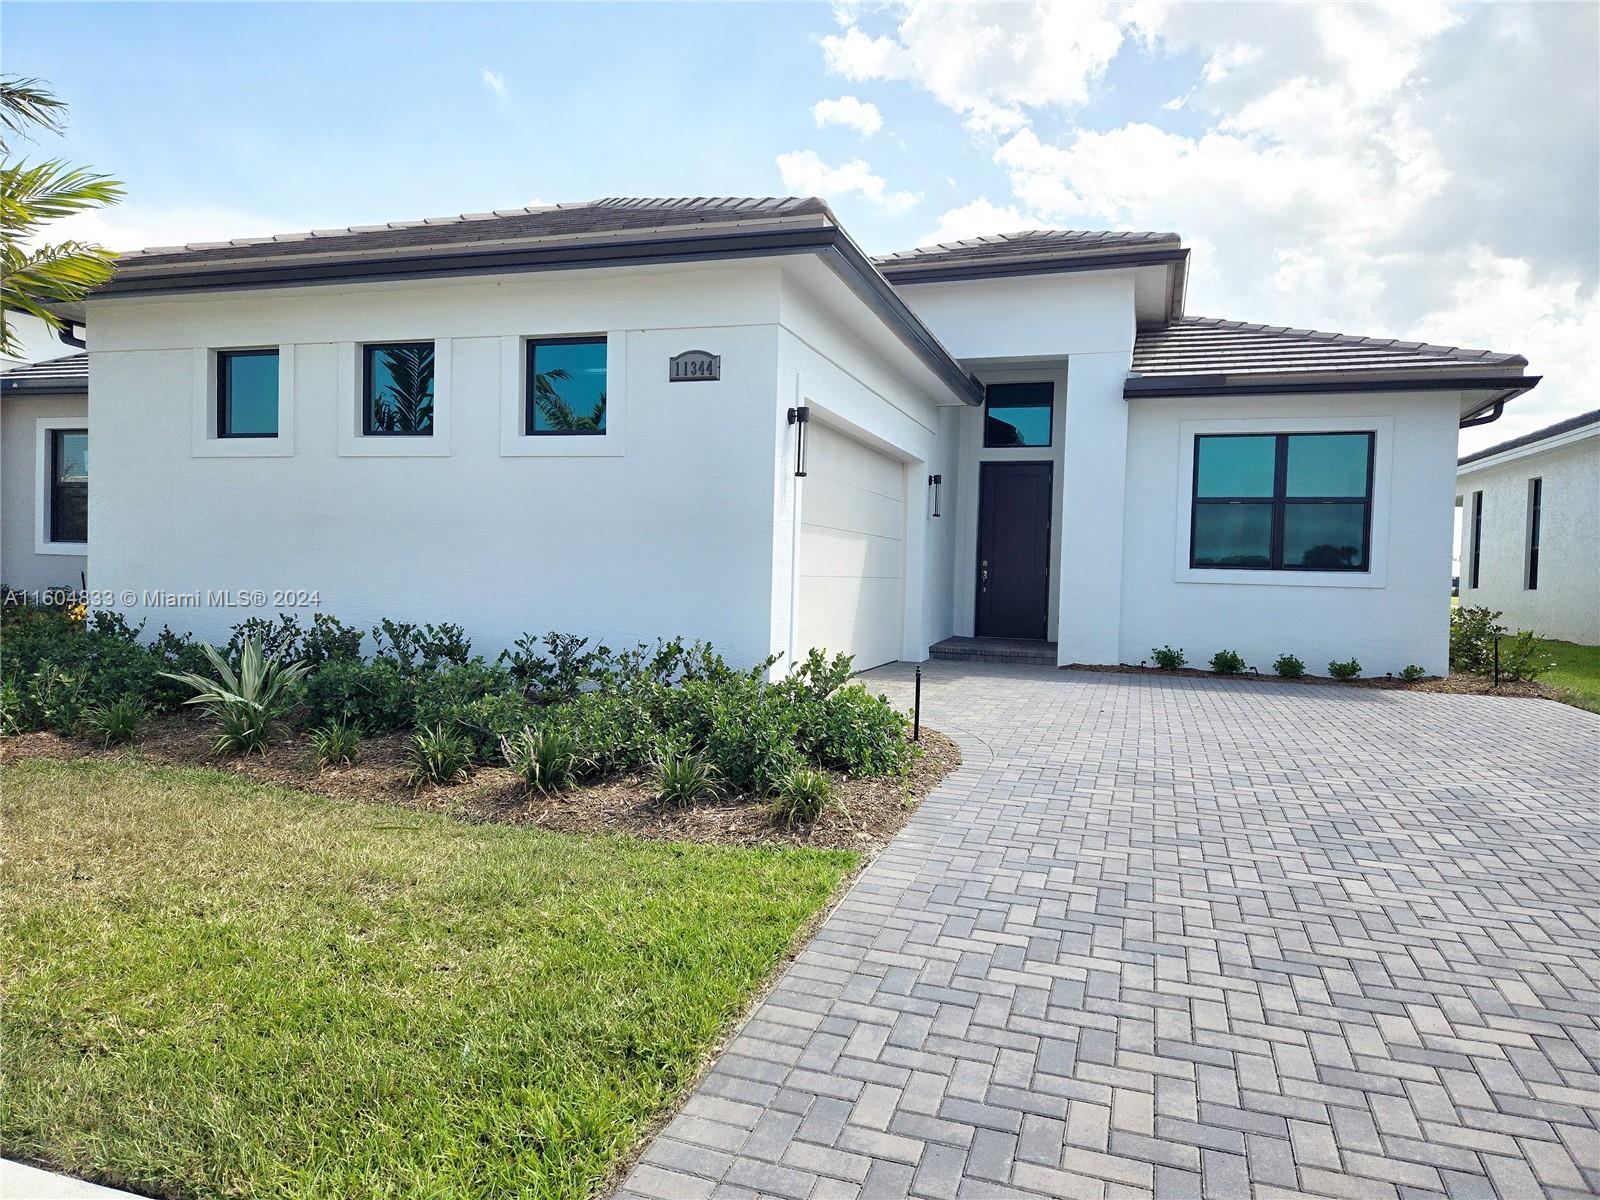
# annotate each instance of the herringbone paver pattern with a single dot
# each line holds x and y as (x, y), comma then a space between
(1191, 938)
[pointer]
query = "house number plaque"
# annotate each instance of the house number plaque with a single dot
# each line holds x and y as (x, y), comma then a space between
(694, 366)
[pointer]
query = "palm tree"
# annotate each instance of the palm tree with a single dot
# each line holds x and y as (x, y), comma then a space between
(557, 413)
(31, 194)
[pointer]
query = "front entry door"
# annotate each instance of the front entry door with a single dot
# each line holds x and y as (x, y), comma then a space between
(1013, 550)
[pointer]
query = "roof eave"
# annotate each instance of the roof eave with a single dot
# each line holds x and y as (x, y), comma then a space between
(901, 274)
(1498, 387)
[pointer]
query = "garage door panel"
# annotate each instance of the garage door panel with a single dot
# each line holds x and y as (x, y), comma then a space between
(851, 551)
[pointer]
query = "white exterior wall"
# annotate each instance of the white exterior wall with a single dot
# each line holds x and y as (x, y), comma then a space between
(1566, 604)
(666, 529)
(1076, 330)
(1392, 616)
(28, 562)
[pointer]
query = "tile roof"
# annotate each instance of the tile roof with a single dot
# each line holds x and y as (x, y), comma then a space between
(1215, 347)
(1538, 435)
(1025, 245)
(64, 375)
(612, 215)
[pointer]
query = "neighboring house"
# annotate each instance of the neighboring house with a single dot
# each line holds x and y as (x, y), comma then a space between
(44, 421)
(1530, 529)
(581, 418)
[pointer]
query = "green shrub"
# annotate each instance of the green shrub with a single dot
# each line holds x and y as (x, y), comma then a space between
(752, 736)
(438, 755)
(378, 696)
(330, 640)
(562, 673)
(616, 730)
(1348, 669)
(60, 668)
(335, 745)
(1167, 658)
(683, 779)
(1412, 673)
(861, 734)
(10, 707)
(1524, 657)
(1227, 662)
(420, 647)
(1288, 666)
(116, 723)
(477, 700)
(547, 758)
(1473, 630)
(244, 703)
(801, 797)
(822, 676)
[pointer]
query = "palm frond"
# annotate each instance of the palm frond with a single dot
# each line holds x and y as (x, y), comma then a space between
(26, 104)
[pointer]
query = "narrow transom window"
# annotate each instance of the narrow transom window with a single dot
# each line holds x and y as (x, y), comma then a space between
(1477, 538)
(69, 485)
(1018, 414)
(1282, 502)
(397, 389)
(566, 386)
(247, 393)
(1535, 505)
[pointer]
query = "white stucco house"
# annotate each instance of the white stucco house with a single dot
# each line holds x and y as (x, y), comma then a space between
(720, 418)
(1530, 529)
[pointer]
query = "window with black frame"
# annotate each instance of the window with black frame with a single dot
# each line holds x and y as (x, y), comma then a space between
(566, 386)
(397, 389)
(247, 393)
(1018, 414)
(69, 485)
(1282, 502)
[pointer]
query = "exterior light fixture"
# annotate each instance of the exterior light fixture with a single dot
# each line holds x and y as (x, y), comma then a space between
(800, 418)
(935, 482)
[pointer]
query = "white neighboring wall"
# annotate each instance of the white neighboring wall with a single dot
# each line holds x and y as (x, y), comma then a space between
(29, 562)
(1566, 603)
(1390, 617)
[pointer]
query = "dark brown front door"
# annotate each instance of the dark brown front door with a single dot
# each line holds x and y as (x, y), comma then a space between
(1013, 549)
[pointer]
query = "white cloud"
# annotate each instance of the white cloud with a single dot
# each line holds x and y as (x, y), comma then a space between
(855, 114)
(497, 85)
(1413, 170)
(804, 173)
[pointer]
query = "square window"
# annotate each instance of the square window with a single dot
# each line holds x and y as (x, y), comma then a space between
(1018, 414)
(1328, 464)
(1233, 534)
(397, 390)
(69, 485)
(1325, 536)
(1235, 466)
(247, 393)
(566, 387)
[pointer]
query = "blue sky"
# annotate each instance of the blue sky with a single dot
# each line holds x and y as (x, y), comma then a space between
(1420, 170)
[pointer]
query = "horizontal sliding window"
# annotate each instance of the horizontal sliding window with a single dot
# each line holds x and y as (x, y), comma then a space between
(247, 393)
(1018, 414)
(397, 389)
(1282, 502)
(566, 386)
(69, 485)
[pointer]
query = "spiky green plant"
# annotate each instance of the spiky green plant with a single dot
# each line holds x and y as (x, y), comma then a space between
(116, 723)
(438, 755)
(547, 758)
(684, 779)
(244, 703)
(335, 744)
(802, 797)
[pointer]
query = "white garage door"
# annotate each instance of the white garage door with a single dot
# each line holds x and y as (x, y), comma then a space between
(852, 553)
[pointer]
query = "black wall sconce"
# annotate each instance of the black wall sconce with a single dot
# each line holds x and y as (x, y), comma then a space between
(800, 418)
(936, 483)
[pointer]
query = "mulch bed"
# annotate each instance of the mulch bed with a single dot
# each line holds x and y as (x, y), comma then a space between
(1457, 683)
(865, 814)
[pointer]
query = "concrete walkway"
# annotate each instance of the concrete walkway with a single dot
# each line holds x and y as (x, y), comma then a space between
(1191, 938)
(20, 1182)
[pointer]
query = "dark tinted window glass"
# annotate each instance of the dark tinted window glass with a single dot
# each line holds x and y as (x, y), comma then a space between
(1327, 464)
(1235, 466)
(398, 389)
(69, 485)
(247, 393)
(567, 386)
(1233, 535)
(1018, 414)
(1325, 536)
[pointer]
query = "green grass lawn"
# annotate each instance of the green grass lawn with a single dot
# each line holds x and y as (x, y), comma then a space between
(1576, 673)
(217, 988)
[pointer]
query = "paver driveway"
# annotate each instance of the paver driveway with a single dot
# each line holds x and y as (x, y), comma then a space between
(1191, 938)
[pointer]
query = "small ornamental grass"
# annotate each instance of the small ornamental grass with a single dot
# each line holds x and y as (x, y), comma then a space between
(1167, 658)
(438, 755)
(683, 779)
(546, 758)
(1227, 662)
(801, 798)
(117, 723)
(335, 745)
(1412, 673)
(1348, 669)
(244, 704)
(1288, 666)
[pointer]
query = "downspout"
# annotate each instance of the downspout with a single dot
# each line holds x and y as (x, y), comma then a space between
(1486, 418)
(64, 332)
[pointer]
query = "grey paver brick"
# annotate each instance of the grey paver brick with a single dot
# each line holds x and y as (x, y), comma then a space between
(1188, 937)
